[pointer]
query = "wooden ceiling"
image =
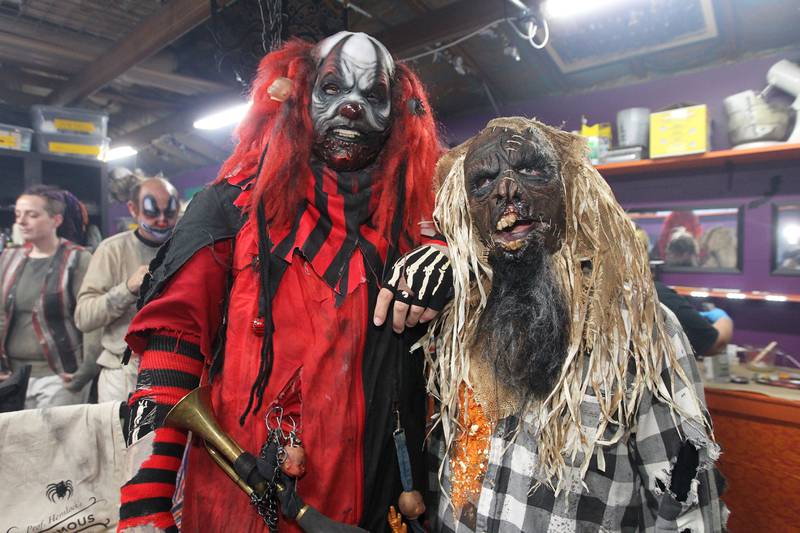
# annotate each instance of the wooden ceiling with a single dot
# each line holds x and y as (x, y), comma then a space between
(157, 65)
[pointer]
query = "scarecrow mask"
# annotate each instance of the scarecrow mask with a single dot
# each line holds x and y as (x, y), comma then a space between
(515, 191)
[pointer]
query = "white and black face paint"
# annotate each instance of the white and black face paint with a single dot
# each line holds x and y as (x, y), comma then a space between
(351, 100)
(158, 222)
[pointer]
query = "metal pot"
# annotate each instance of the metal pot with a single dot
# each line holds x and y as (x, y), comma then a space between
(752, 119)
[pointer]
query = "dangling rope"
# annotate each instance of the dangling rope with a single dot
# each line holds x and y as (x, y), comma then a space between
(265, 308)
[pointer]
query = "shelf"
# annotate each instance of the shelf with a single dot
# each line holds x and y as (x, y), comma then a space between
(718, 160)
(52, 158)
(734, 294)
(85, 178)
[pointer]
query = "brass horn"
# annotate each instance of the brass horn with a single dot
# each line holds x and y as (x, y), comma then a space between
(194, 413)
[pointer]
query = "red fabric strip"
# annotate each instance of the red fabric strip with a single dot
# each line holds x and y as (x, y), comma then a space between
(139, 491)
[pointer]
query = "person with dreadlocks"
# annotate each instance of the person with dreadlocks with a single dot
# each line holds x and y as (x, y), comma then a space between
(39, 285)
(267, 288)
(569, 399)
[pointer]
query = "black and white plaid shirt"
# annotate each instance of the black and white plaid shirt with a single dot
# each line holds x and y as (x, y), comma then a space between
(625, 490)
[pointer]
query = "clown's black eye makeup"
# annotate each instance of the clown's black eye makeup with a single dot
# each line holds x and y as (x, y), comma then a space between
(150, 207)
(376, 94)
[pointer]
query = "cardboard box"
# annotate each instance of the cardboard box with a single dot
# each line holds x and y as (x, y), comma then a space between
(680, 131)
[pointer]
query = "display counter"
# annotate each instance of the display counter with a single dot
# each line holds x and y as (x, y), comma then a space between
(758, 427)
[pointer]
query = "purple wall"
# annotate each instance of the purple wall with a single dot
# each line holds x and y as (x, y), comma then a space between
(194, 178)
(708, 87)
(755, 322)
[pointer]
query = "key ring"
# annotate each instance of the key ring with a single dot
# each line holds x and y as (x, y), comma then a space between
(278, 412)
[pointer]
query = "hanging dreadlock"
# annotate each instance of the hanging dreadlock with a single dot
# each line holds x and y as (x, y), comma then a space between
(76, 219)
(617, 341)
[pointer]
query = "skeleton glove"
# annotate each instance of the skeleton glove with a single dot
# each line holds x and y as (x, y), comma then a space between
(428, 276)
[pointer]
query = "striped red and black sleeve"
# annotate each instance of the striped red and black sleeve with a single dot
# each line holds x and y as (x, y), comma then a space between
(170, 368)
(172, 363)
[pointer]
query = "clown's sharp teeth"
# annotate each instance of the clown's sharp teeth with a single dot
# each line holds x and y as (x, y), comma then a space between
(350, 134)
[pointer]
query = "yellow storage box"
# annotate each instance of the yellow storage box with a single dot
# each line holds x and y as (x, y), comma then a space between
(15, 138)
(598, 139)
(680, 131)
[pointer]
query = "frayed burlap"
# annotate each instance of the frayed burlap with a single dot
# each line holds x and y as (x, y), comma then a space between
(604, 273)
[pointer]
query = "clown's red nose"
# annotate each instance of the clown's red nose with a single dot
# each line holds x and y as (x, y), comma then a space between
(351, 110)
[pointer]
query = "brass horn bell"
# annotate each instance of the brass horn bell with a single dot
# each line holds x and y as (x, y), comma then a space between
(195, 413)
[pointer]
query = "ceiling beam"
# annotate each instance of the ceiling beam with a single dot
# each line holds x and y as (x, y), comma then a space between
(16, 97)
(487, 84)
(201, 145)
(179, 122)
(180, 152)
(148, 37)
(24, 77)
(126, 99)
(442, 24)
(65, 59)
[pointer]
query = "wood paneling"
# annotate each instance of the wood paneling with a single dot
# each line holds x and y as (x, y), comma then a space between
(760, 439)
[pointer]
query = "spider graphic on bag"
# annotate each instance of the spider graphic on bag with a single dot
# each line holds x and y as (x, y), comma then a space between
(60, 490)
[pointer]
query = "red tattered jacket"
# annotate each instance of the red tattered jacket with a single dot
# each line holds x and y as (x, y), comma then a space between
(337, 375)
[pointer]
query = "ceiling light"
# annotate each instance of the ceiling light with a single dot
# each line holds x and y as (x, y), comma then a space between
(699, 294)
(519, 4)
(775, 298)
(562, 9)
(791, 234)
(120, 151)
(220, 119)
(736, 296)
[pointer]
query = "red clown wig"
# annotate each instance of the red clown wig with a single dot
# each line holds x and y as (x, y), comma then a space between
(282, 133)
(676, 219)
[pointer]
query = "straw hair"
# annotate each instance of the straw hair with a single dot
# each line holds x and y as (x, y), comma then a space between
(617, 342)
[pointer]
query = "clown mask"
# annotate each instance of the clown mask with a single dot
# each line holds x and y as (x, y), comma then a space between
(351, 100)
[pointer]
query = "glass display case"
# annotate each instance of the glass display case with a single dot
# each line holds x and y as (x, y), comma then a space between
(707, 239)
(786, 238)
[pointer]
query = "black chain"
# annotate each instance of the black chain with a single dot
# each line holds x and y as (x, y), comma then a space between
(267, 504)
(266, 508)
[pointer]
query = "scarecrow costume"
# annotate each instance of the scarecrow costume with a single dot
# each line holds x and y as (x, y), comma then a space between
(266, 292)
(569, 398)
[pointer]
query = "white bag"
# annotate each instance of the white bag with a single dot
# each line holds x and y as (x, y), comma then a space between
(61, 469)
